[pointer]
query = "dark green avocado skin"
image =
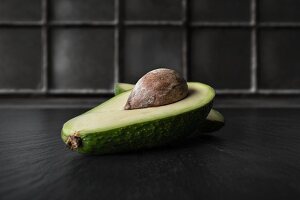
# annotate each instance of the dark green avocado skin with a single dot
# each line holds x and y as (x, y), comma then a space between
(144, 135)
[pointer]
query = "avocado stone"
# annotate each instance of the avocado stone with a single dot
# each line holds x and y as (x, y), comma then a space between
(214, 120)
(114, 129)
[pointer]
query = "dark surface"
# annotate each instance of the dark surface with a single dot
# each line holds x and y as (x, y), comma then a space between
(256, 155)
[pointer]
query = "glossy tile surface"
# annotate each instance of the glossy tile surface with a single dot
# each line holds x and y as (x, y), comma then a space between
(149, 48)
(279, 59)
(20, 58)
(220, 10)
(81, 10)
(279, 10)
(221, 58)
(153, 9)
(20, 10)
(82, 58)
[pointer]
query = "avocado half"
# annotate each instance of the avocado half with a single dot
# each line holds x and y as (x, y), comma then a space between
(110, 129)
(214, 120)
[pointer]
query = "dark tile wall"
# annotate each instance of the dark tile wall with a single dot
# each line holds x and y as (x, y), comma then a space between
(153, 10)
(220, 10)
(81, 10)
(20, 10)
(147, 48)
(81, 58)
(279, 10)
(279, 59)
(85, 46)
(218, 55)
(20, 58)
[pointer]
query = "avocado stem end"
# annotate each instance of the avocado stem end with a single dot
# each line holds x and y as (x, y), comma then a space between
(73, 142)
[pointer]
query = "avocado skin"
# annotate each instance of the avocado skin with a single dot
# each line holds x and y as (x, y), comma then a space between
(144, 135)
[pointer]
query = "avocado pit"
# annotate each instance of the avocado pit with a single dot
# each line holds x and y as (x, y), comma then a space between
(157, 88)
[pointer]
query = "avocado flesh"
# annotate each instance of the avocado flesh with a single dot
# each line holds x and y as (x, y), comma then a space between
(214, 120)
(113, 129)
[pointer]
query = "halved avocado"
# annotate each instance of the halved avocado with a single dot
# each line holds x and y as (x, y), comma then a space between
(113, 129)
(214, 120)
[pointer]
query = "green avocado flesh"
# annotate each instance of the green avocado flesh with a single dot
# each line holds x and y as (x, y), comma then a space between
(214, 121)
(109, 128)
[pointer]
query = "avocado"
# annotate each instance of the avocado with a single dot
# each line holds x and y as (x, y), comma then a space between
(214, 121)
(109, 129)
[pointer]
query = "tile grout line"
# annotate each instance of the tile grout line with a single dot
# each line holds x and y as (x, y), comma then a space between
(153, 22)
(185, 40)
(278, 91)
(279, 25)
(221, 24)
(264, 92)
(117, 42)
(142, 23)
(83, 23)
(88, 106)
(233, 91)
(20, 91)
(80, 91)
(44, 46)
(253, 62)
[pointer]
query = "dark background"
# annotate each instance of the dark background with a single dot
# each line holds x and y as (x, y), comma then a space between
(53, 48)
(59, 58)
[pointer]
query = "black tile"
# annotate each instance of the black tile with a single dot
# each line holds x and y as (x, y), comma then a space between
(279, 59)
(20, 10)
(150, 48)
(84, 10)
(20, 58)
(221, 57)
(220, 10)
(82, 58)
(279, 10)
(153, 9)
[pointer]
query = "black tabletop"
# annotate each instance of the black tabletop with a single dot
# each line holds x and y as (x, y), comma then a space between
(256, 155)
